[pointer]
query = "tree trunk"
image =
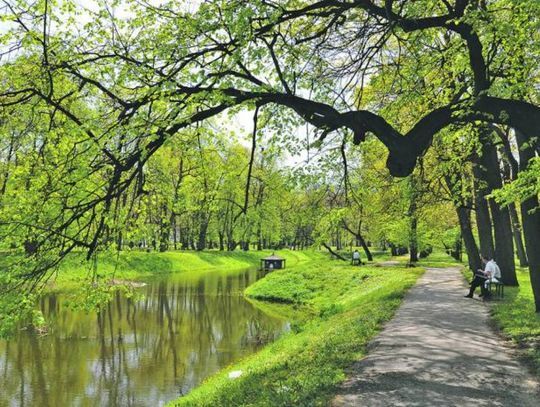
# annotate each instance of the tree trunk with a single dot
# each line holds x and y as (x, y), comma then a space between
(510, 168)
(473, 256)
(504, 245)
(184, 238)
(203, 228)
(413, 220)
(221, 239)
(338, 240)
(360, 241)
(483, 218)
(7, 164)
(531, 222)
(259, 236)
(164, 231)
(333, 253)
(174, 231)
(464, 217)
(366, 248)
(531, 230)
(413, 240)
(518, 240)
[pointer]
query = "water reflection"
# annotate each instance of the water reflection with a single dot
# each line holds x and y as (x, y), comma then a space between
(136, 352)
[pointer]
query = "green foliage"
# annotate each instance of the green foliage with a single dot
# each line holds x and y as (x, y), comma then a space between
(346, 307)
(15, 309)
(526, 185)
(113, 132)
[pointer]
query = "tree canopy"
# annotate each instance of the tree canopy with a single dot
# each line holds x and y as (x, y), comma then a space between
(112, 125)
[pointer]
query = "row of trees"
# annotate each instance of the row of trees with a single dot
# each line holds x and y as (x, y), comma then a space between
(110, 88)
(205, 189)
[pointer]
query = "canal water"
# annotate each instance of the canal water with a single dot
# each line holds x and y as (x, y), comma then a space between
(136, 352)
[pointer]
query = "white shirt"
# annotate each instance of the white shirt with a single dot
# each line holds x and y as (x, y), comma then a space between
(493, 269)
(493, 272)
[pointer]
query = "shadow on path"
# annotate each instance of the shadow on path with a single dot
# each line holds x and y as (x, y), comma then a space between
(439, 350)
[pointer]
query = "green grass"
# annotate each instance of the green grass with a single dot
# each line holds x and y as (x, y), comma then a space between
(516, 318)
(439, 259)
(343, 307)
(140, 266)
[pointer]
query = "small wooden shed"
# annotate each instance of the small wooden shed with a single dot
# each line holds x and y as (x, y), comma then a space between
(272, 262)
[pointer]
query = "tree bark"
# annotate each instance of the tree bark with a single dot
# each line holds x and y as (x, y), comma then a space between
(413, 220)
(481, 209)
(221, 239)
(504, 245)
(473, 257)
(333, 253)
(365, 247)
(201, 239)
(413, 240)
(464, 217)
(164, 230)
(510, 169)
(518, 240)
(531, 221)
(174, 230)
(119, 241)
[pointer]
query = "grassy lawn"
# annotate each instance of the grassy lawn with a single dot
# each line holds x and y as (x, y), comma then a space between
(516, 318)
(336, 308)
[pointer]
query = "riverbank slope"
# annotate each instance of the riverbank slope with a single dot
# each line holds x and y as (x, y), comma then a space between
(142, 266)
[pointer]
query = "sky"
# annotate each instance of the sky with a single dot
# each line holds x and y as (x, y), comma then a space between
(240, 123)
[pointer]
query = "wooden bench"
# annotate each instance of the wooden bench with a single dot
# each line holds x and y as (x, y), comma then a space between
(499, 288)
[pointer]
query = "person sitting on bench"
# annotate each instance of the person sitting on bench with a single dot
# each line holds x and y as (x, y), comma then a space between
(481, 277)
(356, 258)
(492, 272)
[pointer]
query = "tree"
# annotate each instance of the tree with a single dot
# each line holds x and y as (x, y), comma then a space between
(278, 56)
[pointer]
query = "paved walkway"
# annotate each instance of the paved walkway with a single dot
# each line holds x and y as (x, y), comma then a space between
(439, 351)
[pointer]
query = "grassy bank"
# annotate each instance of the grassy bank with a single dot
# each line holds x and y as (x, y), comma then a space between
(140, 266)
(344, 308)
(517, 320)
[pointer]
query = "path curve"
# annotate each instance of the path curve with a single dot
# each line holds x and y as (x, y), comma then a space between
(439, 350)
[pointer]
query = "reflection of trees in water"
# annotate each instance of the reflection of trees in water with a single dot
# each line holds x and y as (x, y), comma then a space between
(20, 369)
(37, 359)
(163, 344)
(111, 375)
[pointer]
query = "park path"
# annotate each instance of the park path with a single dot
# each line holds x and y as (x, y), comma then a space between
(439, 350)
